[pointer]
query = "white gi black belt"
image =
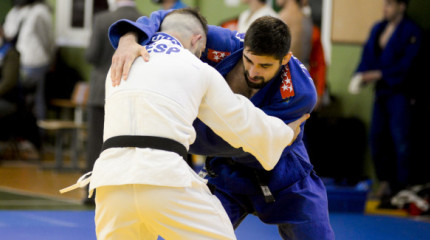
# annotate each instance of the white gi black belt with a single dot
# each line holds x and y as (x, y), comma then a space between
(159, 143)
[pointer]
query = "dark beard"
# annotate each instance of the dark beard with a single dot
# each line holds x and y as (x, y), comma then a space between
(252, 84)
(263, 82)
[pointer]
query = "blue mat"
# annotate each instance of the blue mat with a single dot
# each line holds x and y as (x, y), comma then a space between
(72, 225)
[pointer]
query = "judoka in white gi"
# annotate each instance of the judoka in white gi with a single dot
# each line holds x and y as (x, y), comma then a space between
(144, 192)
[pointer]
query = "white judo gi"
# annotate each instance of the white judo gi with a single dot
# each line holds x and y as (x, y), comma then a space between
(142, 192)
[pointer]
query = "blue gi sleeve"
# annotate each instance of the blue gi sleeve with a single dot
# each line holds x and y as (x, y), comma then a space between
(145, 27)
(287, 114)
(224, 39)
(209, 144)
(368, 55)
(221, 42)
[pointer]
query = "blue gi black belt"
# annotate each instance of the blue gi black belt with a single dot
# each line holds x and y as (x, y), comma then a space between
(159, 143)
(261, 177)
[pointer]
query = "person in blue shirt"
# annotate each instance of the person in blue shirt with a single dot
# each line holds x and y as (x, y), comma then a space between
(387, 58)
(260, 66)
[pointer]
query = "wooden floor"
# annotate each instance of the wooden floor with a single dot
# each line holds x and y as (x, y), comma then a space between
(36, 178)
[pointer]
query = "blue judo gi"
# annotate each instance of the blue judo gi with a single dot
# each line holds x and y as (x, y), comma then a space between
(300, 201)
(390, 133)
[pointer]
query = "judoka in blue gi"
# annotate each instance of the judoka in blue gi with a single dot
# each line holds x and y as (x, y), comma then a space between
(386, 60)
(261, 67)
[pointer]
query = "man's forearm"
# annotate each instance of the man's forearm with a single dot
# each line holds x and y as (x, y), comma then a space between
(129, 37)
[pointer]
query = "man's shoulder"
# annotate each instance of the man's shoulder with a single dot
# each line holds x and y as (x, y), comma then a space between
(378, 25)
(102, 15)
(245, 14)
(108, 16)
(411, 25)
(299, 73)
(41, 7)
(129, 13)
(195, 61)
(176, 55)
(295, 64)
(197, 64)
(267, 10)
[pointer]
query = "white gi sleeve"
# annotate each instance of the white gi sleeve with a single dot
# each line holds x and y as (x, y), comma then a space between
(241, 124)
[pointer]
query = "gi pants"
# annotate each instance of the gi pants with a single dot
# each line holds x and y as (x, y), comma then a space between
(139, 211)
(300, 211)
(390, 139)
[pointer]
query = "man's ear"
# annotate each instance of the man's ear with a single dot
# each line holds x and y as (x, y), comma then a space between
(286, 58)
(195, 38)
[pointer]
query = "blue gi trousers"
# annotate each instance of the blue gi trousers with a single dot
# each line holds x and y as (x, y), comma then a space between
(390, 139)
(300, 210)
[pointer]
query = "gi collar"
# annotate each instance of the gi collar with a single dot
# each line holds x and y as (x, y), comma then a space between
(164, 36)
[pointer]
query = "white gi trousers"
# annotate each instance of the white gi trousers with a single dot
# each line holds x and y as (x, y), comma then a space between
(138, 211)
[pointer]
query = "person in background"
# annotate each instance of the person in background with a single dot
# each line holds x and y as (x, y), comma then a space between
(99, 54)
(29, 23)
(256, 9)
(386, 60)
(9, 76)
(301, 27)
(170, 4)
(317, 64)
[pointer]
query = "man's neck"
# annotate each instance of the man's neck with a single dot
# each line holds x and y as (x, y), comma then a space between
(291, 7)
(255, 6)
(396, 20)
(236, 80)
(168, 4)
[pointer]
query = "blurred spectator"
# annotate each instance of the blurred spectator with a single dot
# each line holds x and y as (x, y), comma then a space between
(230, 23)
(9, 75)
(29, 23)
(170, 4)
(387, 58)
(301, 28)
(256, 9)
(15, 123)
(317, 65)
(99, 54)
(69, 76)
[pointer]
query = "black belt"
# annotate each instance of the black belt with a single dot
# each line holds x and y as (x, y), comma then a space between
(260, 177)
(159, 143)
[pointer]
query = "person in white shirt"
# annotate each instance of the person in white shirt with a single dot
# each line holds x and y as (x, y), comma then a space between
(144, 186)
(30, 23)
(257, 9)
